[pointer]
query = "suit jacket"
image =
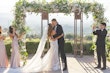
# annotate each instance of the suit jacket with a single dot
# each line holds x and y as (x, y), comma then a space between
(101, 35)
(59, 31)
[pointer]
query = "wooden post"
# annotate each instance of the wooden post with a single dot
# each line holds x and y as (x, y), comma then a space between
(78, 16)
(41, 27)
(75, 37)
(45, 16)
(81, 34)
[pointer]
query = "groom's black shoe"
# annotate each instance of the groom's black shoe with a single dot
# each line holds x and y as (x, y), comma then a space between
(98, 67)
(64, 68)
(104, 68)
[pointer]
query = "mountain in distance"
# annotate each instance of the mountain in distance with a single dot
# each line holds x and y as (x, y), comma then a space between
(34, 22)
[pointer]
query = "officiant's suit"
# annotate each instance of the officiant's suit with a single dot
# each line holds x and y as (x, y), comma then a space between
(100, 43)
(59, 31)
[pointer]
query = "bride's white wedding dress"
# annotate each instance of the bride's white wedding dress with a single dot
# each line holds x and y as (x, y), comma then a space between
(49, 62)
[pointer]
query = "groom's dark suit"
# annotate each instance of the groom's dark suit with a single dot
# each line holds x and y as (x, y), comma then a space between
(100, 43)
(61, 42)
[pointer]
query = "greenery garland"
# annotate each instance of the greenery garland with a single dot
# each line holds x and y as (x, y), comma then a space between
(62, 6)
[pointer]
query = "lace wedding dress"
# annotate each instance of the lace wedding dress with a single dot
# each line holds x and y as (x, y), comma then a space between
(49, 62)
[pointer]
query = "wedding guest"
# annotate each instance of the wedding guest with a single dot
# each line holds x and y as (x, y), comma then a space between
(3, 55)
(100, 43)
(15, 55)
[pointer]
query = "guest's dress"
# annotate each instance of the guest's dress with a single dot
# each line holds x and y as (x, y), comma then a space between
(3, 55)
(15, 56)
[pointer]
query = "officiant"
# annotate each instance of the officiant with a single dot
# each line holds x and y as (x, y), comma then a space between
(101, 33)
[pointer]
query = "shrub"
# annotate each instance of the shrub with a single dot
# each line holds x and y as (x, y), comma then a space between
(8, 48)
(68, 47)
(32, 46)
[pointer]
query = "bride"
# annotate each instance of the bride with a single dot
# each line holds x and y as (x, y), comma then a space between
(50, 61)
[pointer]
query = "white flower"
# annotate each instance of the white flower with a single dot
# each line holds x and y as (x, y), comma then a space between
(17, 31)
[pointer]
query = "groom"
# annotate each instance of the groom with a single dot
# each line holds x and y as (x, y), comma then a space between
(59, 31)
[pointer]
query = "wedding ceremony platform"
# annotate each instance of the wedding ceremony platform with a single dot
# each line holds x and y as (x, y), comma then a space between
(75, 65)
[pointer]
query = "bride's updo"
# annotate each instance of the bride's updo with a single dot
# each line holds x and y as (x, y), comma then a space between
(50, 29)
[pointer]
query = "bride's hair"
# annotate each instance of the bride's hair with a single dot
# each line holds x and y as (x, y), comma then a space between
(0, 29)
(50, 29)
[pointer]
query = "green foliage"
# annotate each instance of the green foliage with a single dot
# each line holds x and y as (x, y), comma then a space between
(8, 49)
(87, 48)
(31, 47)
(69, 36)
(88, 37)
(108, 49)
(68, 47)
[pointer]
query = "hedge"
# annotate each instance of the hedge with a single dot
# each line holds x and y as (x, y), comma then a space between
(32, 47)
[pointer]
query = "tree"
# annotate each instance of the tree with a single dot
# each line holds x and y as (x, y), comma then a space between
(69, 36)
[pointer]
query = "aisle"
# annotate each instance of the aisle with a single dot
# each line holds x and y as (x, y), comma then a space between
(75, 65)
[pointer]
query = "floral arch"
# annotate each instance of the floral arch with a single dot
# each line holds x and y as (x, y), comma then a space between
(57, 6)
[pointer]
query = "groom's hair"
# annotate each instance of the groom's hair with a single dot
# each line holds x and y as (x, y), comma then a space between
(104, 24)
(54, 20)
